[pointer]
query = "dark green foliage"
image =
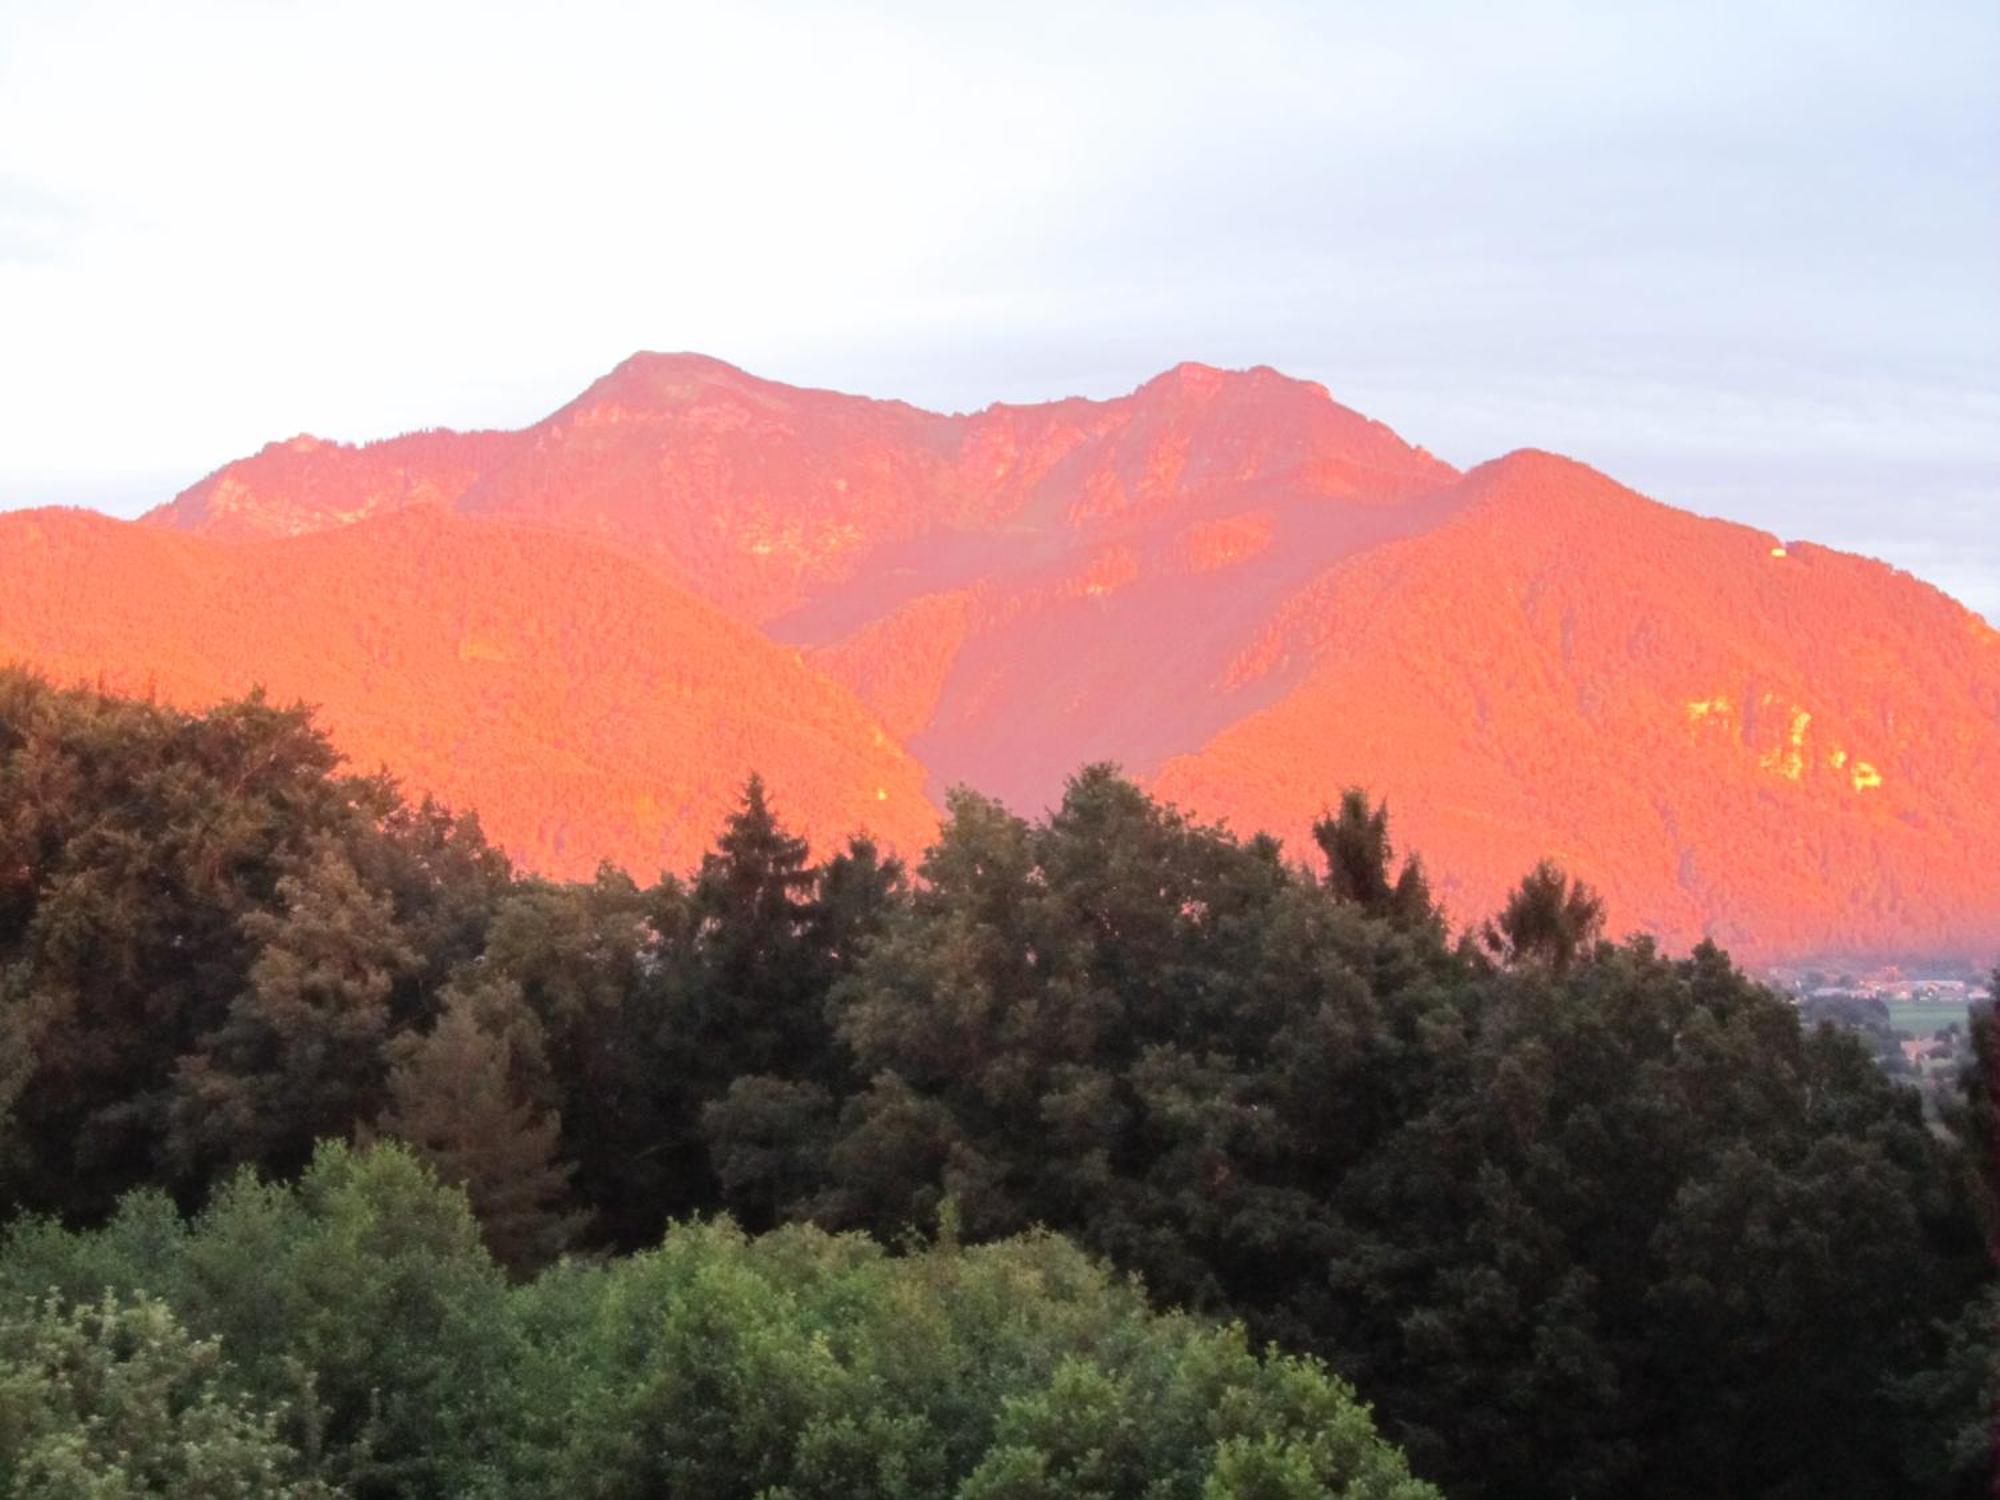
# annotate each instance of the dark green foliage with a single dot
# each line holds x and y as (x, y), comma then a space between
(1953, 1405)
(443, 882)
(1975, 1115)
(1601, 1228)
(1865, 1018)
(769, 1139)
(750, 1034)
(302, 1053)
(755, 1004)
(134, 841)
(746, 988)
(1587, 1221)
(1651, 1204)
(1355, 843)
(1549, 920)
(1132, 1027)
(586, 962)
(188, 906)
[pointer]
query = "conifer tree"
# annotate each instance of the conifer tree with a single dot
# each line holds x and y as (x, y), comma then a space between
(858, 890)
(767, 1132)
(456, 1099)
(759, 1001)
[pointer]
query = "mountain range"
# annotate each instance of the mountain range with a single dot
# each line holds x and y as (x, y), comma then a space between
(1252, 597)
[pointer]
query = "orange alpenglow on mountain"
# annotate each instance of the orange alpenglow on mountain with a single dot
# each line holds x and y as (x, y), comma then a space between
(586, 708)
(1249, 595)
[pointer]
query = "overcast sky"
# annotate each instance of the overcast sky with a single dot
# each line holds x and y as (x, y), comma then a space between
(1744, 257)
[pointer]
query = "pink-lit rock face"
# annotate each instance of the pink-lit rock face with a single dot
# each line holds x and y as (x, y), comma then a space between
(1233, 585)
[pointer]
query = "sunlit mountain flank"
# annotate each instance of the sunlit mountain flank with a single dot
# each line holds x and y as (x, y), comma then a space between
(583, 706)
(1244, 592)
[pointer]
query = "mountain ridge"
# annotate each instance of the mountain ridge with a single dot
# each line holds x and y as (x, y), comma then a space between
(1252, 596)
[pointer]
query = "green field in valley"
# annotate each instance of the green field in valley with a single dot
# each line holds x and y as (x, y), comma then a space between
(1922, 1017)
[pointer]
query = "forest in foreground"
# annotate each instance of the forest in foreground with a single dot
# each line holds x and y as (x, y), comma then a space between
(1101, 1155)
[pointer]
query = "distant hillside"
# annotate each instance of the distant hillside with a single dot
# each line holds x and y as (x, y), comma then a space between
(1787, 747)
(584, 707)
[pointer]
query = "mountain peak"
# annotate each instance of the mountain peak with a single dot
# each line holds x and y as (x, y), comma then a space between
(1194, 378)
(1537, 477)
(681, 363)
(660, 380)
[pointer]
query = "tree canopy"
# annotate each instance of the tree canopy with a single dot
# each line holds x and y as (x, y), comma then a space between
(367, 1112)
(350, 1335)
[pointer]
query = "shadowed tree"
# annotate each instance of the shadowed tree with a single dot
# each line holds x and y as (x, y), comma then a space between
(1977, 1113)
(1129, 1025)
(1549, 920)
(768, 1140)
(757, 1001)
(300, 1057)
(587, 960)
(857, 891)
(1359, 856)
(1605, 1227)
(444, 882)
(456, 1099)
(134, 842)
(772, 936)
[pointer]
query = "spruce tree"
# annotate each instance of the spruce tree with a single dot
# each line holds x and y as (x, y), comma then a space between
(457, 1100)
(759, 1002)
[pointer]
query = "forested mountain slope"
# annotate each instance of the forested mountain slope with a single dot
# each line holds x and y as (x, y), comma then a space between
(1231, 584)
(587, 708)
(1785, 747)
